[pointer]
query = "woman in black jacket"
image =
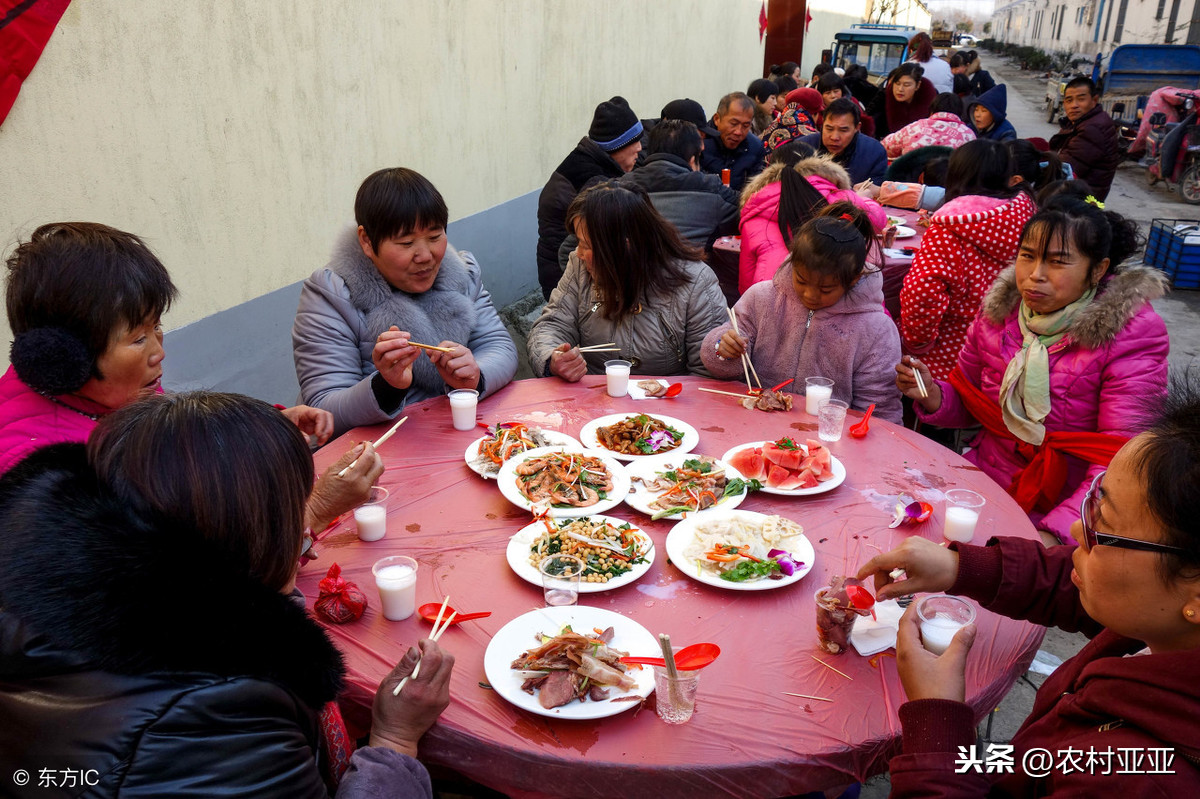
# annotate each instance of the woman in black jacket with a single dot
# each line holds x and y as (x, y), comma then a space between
(150, 640)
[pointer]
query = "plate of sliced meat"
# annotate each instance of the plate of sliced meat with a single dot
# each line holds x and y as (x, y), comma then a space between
(563, 662)
(671, 485)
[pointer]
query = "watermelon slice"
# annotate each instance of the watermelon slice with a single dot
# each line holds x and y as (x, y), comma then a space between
(806, 479)
(750, 463)
(777, 476)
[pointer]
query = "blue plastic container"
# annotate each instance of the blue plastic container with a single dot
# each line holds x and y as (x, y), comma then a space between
(1174, 247)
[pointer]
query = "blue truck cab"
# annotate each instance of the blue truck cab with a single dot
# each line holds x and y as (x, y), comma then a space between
(880, 48)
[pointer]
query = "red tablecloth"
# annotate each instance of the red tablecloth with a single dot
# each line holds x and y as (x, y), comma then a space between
(746, 738)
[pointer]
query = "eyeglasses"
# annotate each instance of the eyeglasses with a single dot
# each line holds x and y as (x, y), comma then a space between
(1089, 512)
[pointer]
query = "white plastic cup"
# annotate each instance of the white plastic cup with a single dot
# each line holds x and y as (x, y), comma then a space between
(396, 579)
(942, 616)
(560, 579)
(617, 373)
(830, 418)
(463, 402)
(371, 517)
(816, 391)
(962, 514)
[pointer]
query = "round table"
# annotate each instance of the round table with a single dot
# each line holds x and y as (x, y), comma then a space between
(746, 738)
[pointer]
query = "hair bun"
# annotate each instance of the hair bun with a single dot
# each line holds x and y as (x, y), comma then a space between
(51, 360)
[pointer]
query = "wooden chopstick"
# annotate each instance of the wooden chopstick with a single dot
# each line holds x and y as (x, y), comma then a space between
(920, 382)
(727, 393)
(745, 360)
(378, 443)
(598, 347)
(831, 668)
(435, 635)
(429, 347)
(806, 696)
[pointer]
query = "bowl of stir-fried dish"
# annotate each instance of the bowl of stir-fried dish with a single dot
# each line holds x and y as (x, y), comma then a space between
(741, 550)
(671, 486)
(487, 454)
(563, 482)
(562, 662)
(633, 436)
(614, 552)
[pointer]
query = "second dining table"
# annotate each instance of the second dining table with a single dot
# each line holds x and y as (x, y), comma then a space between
(747, 738)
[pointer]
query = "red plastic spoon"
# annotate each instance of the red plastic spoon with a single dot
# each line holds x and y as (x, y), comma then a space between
(860, 429)
(690, 658)
(430, 613)
(861, 598)
(674, 390)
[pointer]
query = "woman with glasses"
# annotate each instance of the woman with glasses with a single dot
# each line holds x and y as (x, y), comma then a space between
(1128, 705)
(1055, 367)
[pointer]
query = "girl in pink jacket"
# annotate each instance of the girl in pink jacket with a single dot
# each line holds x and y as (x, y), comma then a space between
(1066, 343)
(765, 211)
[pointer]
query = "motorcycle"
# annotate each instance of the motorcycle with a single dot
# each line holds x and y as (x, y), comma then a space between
(1173, 150)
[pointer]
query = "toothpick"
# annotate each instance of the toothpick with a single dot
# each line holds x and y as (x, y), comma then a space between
(831, 668)
(378, 443)
(806, 696)
(429, 347)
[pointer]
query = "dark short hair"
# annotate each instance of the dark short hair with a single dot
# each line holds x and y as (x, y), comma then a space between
(856, 71)
(830, 81)
(676, 137)
(957, 61)
(842, 106)
(1037, 169)
(741, 98)
(835, 242)
(761, 89)
(786, 68)
(635, 251)
(980, 167)
(822, 69)
(962, 85)
(909, 69)
(185, 461)
(947, 102)
(935, 171)
(88, 279)
(791, 152)
(395, 201)
(1082, 80)
(786, 84)
(1093, 233)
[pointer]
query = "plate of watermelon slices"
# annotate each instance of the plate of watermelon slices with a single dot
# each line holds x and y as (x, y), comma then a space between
(787, 467)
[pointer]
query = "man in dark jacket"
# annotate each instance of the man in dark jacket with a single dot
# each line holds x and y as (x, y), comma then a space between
(1089, 141)
(734, 148)
(694, 202)
(860, 155)
(608, 151)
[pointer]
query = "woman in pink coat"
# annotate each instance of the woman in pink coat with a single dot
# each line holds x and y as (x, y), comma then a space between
(970, 239)
(764, 249)
(1059, 365)
(944, 128)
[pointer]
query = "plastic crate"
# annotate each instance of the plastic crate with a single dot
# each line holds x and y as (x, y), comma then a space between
(1174, 247)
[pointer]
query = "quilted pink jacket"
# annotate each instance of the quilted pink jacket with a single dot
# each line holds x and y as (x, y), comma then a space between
(763, 248)
(29, 421)
(943, 129)
(1112, 360)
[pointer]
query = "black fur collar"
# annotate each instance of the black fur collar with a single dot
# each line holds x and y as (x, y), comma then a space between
(97, 580)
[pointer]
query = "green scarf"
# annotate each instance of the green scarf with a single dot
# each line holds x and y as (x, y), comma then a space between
(1025, 389)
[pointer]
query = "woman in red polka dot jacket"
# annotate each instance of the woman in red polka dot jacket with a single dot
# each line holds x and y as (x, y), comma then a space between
(1057, 368)
(970, 239)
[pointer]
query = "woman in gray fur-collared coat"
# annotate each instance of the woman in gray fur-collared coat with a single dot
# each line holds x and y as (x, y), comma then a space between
(392, 281)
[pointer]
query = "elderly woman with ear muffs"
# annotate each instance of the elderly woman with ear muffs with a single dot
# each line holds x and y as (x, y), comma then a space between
(85, 302)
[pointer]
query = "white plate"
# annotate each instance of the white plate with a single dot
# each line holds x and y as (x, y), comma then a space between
(839, 473)
(517, 637)
(895, 220)
(507, 481)
(640, 497)
(518, 557)
(904, 232)
(682, 535)
(587, 435)
(555, 437)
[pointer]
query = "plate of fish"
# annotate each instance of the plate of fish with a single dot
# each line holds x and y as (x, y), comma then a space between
(741, 550)
(563, 482)
(563, 662)
(615, 553)
(487, 454)
(671, 485)
(788, 468)
(632, 436)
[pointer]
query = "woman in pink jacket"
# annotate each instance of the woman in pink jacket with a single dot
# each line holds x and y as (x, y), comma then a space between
(970, 239)
(944, 128)
(764, 248)
(1065, 354)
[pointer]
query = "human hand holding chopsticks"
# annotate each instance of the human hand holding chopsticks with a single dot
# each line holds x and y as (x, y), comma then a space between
(344, 485)
(398, 722)
(914, 380)
(567, 362)
(731, 345)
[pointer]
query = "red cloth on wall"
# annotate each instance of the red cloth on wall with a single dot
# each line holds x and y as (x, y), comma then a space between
(25, 28)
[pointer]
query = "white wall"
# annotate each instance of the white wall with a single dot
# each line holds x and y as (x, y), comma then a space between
(828, 17)
(233, 136)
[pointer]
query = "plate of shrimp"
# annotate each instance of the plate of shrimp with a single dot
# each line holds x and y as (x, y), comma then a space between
(562, 482)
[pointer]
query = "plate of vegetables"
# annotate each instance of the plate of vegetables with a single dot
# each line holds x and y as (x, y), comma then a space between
(615, 553)
(741, 550)
(486, 455)
(671, 485)
(562, 482)
(633, 436)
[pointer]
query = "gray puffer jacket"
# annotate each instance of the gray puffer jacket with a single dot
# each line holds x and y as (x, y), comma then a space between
(346, 305)
(662, 339)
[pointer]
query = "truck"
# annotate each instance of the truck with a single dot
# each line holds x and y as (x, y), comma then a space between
(879, 48)
(1133, 71)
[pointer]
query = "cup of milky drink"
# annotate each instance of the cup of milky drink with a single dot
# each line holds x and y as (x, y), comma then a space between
(816, 391)
(371, 517)
(396, 579)
(463, 402)
(962, 514)
(942, 616)
(617, 373)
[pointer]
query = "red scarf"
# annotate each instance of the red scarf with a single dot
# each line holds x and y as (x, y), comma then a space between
(1039, 484)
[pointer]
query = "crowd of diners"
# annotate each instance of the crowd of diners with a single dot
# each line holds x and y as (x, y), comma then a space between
(150, 629)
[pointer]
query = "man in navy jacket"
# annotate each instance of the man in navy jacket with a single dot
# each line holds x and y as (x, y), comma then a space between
(860, 155)
(734, 148)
